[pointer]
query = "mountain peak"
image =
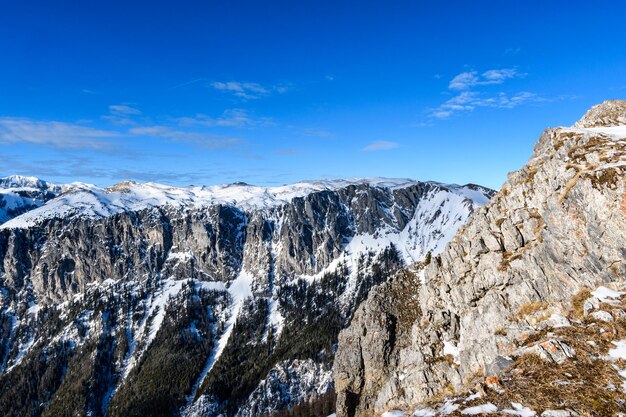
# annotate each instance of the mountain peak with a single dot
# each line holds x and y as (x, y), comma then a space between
(18, 181)
(607, 114)
(123, 186)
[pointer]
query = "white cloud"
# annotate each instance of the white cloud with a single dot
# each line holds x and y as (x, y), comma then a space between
(229, 118)
(54, 134)
(463, 81)
(498, 76)
(381, 145)
(467, 86)
(205, 140)
(470, 100)
(121, 115)
(123, 110)
(469, 79)
(249, 91)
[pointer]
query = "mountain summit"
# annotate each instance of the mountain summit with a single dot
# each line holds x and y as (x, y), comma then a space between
(607, 114)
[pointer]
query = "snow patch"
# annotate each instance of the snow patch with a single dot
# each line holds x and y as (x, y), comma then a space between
(480, 409)
(607, 295)
(616, 132)
(520, 410)
(276, 319)
(451, 349)
(424, 412)
(239, 290)
(619, 352)
(393, 413)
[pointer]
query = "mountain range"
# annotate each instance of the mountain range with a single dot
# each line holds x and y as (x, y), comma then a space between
(364, 297)
(147, 299)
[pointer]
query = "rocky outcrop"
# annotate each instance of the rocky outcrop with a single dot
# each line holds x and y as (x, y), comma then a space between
(609, 113)
(557, 225)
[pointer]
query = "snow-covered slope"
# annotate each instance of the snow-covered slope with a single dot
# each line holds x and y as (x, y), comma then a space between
(20, 194)
(234, 292)
(90, 201)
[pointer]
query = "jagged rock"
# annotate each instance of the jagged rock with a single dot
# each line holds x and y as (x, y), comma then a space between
(555, 321)
(550, 350)
(557, 225)
(609, 113)
(499, 366)
(493, 383)
(602, 316)
(590, 304)
(619, 313)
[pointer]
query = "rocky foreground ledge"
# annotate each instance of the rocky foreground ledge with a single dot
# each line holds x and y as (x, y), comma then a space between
(465, 321)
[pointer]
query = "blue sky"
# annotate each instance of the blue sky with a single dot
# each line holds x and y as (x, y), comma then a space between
(204, 92)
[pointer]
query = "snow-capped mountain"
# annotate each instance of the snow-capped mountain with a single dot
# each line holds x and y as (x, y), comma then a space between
(146, 299)
(20, 194)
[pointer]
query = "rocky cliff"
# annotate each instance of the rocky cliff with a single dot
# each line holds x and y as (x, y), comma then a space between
(144, 299)
(557, 226)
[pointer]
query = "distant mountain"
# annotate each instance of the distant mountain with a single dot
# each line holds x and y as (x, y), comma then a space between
(20, 194)
(145, 299)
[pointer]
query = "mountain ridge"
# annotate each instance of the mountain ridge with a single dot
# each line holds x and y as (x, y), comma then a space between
(129, 195)
(229, 300)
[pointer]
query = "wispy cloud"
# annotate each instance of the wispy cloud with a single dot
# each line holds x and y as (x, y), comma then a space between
(229, 118)
(90, 91)
(124, 110)
(381, 145)
(512, 51)
(249, 91)
(205, 140)
(469, 79)
(121, 115)
(54, 134)
(470, 100)
(470, 93)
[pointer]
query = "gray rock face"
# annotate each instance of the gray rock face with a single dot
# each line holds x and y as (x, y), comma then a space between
(61, 256)
(550, 350)
(557, 225)
(231, 289)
